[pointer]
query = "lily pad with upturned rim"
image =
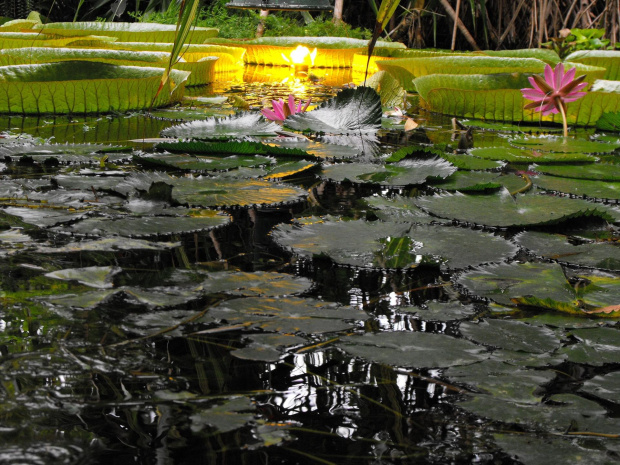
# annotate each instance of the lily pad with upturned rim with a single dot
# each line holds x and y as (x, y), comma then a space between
(517, 155)
(579, 187)
(235, 126)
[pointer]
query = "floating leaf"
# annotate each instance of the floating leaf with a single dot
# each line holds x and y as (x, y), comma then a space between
(466, 162)
(504, 211)
(148, 226)
(596, 346)
(233, 414)
(440, 311)
(562, 145)
(370, 244)
(93, 276)
(232, 147)
(609, 121)
(288, 315)
(195, 163)
(541, 285)
(350, 111)
(126, 32)
(579, 187)
(110, 244)
(32, 55)
(236, 126)
(475, 181)
(604, 255)
(608, 59)
(65, 153)
(403, 173)
(592, 171)
(605, 387)
(258, 283)
(413, 349)
(511, 335)
(515, 155)
(84, 87)
(267, 347)
(398, 208)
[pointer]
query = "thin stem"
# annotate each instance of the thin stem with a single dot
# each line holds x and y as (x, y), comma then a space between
(562, 107)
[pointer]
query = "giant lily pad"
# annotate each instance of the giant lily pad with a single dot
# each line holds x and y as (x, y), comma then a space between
(232, 148)
(126, 32)
(502, 210)
(84, 87)
(392, 245)
(562, 145)
(93, 276)
(32, 55)
(191, 163)
(497, 97)
(608, 59)
(592, 171)
(579, 187)
(595, 346)
(511, 335)
(65, 153)
(413, 349)
(604, 255)
(288, 315)
(515, 155)
(544, 286)
(403, 173)
(351, 111)
(148, 226)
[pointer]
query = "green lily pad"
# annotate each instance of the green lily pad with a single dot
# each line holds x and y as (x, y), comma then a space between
(579, 187)
(603, 255)
(391, 245)
(469, 163)
(516, 155)
(148, 226)
(476, 181)
(258, 283)
(125, 32)
(502, 210)
(85, 87)
(544, 286)
(592, 171)
(532, 449)
(403, 173)
(398, 208)
(608, 59)
(268, 347)
(287, 315)
(233, 148)
(596, 346)
(511, 335)
(195, 163)
(233, 414)
(413, 349)
(93, 276)
(110, 244)
(350, 111)
(321, 147)
(66, 153)
(235, 126)
(563, 145)
(440, 311)
(606, 387)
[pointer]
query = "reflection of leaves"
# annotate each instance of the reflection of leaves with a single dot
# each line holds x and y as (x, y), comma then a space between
(233, 414)
(239, 125)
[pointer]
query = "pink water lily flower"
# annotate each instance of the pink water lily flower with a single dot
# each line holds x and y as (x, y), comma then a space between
(551, 94)
(282, 110)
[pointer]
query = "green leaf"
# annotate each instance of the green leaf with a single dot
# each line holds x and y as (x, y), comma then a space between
(563, 145)
(93, 276)
(579, 187)
(596, 346)
(268, 347)
(502, 210)
(389, 89)
(33, 55)
(65, 153)
(511, 335)
(126, 32)
(83, 87)
(403, 173)
(413, 349)
(592, 171)
(287, 315)
(232, 148)
(148, 226)
(474, 181)
(609, 121)
(350, 111)
(544, 54)
(397, 209)
(204, 164)
(608, 59)
(515, 155)
(391, 245)
(603, 255)
(233, 414)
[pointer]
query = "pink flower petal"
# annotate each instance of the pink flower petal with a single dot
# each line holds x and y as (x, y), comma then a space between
(533, 94)
(270, 115)
(569, 76)
(548, 75)
(558, 75)
(574, 96)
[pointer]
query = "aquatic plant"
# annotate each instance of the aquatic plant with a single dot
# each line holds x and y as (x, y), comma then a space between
(551, 94)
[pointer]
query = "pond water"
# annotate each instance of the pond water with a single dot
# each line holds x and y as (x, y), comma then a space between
(240, 343)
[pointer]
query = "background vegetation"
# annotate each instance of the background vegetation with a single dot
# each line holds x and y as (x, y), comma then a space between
(486, 24)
